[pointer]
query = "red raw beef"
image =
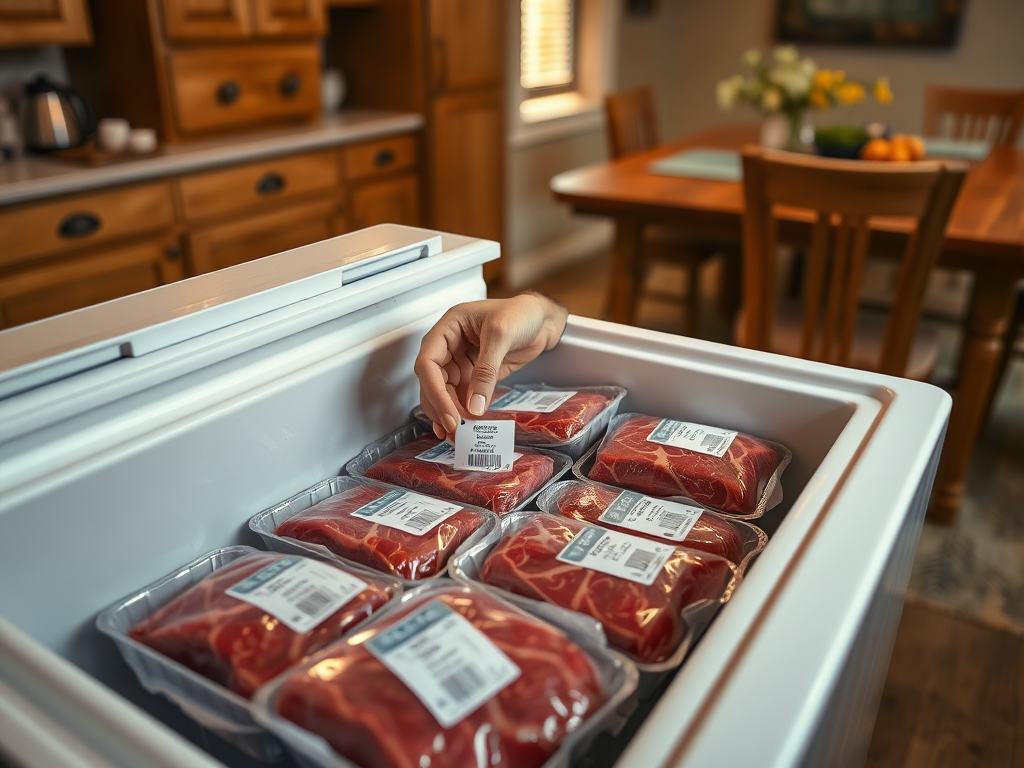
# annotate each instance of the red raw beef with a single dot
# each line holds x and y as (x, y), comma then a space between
(233, 642)
(644, 622)
(370, 717)
(498, 491)
(711, 533)
(332, 524)
(561, 424)
(733, 483)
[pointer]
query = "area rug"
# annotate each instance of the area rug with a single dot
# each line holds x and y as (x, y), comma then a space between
(975, 567)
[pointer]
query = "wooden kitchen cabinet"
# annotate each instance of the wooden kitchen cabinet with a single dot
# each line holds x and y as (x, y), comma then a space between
(73, 283)
(205, 20)
(467, 39)
(44, 22)
(289, 18)
(251, 238)
(394, 201)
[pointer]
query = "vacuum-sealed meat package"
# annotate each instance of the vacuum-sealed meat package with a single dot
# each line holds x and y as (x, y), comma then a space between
(453, 678)
(722, 469)
(253, 618)
(637, 589)
(425, 465)
(387, 529)
(674, 521)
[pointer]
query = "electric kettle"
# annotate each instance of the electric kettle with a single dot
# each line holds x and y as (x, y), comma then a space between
(56, 116)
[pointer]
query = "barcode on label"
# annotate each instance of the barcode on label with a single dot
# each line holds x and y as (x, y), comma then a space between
(546, 401)
(485, 461)
(640, 559)
(425, 519)
(314, 602)
(671, 520)
(463, 683)
(711, 442)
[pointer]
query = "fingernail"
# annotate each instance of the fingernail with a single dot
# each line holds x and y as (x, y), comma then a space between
(439, 431)
(450, 423)
(477, 404)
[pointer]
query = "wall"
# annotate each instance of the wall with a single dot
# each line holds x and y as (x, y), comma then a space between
(686, 47)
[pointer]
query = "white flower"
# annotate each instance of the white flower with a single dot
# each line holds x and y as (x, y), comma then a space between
(771, 101)
(794, 82)
(728, 91)
(786, 54)
(752, 57)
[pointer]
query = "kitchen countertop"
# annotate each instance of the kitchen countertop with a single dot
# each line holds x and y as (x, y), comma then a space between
(35, 177)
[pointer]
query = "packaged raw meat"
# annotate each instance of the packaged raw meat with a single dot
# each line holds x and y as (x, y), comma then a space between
(565, 419)
(411, 459)
(382, 527)
(637, 589)
(454, 677)
(722, 469)
(188, 639)
(675, 521)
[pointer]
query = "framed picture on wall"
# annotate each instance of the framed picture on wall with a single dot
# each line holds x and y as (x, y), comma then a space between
(931, 23)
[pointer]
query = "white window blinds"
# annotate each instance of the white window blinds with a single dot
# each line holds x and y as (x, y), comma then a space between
(546, 58)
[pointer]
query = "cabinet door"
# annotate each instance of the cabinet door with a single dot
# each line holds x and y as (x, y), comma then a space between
(77, 282)
(258, 236)
(467, 44)
(188, 20)
(466, 154)
(391, 201)
(41, 22)
(289, 18)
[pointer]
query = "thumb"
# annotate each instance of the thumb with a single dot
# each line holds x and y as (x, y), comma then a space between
(494, 345)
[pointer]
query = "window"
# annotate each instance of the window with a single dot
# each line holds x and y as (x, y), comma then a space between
(547, 45)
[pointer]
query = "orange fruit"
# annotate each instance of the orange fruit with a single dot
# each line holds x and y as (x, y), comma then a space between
(910, 145)
(876, 149)
(900, 151)
(916, 147)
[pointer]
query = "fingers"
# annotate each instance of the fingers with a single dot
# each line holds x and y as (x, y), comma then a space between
(433, 370)
(495, 341)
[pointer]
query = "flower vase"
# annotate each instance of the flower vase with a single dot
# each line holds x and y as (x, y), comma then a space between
(781, 130)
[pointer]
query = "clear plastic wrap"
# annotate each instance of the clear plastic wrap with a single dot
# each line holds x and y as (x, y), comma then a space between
(214, 695)
(354, 710)
(570, 428)
(321, 520)
(745, 482)
(393, 460)
(652, 623)
(735, 540)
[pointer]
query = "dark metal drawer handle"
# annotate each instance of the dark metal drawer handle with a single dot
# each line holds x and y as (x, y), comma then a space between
(228, 92)
(270, 183)
(78, 225)
(290, 85)
(384, 158)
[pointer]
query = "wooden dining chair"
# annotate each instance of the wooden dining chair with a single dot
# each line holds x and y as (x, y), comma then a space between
(633, 128)
(978, 114)
(841, 196)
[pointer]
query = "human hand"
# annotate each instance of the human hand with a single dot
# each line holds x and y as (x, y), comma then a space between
(475, 345)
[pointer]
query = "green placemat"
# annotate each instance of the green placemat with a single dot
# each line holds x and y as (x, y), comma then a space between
(955, 149)
(718, 164)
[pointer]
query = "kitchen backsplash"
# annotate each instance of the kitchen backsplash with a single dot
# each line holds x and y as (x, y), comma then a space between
(19, 65)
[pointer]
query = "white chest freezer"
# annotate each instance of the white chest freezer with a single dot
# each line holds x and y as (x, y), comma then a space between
(142, 433)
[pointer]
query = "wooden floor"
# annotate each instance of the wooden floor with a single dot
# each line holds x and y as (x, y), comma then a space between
(954, 696)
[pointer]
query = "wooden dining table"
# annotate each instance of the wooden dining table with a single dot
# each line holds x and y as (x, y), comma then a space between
(984, 235)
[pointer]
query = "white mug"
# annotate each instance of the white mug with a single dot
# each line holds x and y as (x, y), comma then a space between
(113, 133)
(332, 90)
(142, 140)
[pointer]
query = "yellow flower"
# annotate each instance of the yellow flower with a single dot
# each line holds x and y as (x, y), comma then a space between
(823, 79)
(818, 99)
(850, 93)
(882, 91)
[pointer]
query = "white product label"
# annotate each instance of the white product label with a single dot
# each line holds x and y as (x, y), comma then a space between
(617, 554)
(451, 666)
(693, 437)
(444, 453)
(531, 400)
(299, 592)
(657, 517)
(407, 511)
(488, 446)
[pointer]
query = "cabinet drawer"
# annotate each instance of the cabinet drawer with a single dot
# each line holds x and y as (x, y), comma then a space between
(227, 87)
(376, 157)
(258, 236)
(244, 187)
(388, 201)
(74, 222)
(82, 281)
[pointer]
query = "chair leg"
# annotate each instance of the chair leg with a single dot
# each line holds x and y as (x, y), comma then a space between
(1014, 330)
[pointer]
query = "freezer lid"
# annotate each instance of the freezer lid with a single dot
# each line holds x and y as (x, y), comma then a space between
(35, 354)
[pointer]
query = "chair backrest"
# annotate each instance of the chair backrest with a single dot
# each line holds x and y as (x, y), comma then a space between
(632, 121)
(974, 114)
(840, 196)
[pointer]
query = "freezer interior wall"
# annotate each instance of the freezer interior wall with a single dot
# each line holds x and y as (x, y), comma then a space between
(136, 511)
